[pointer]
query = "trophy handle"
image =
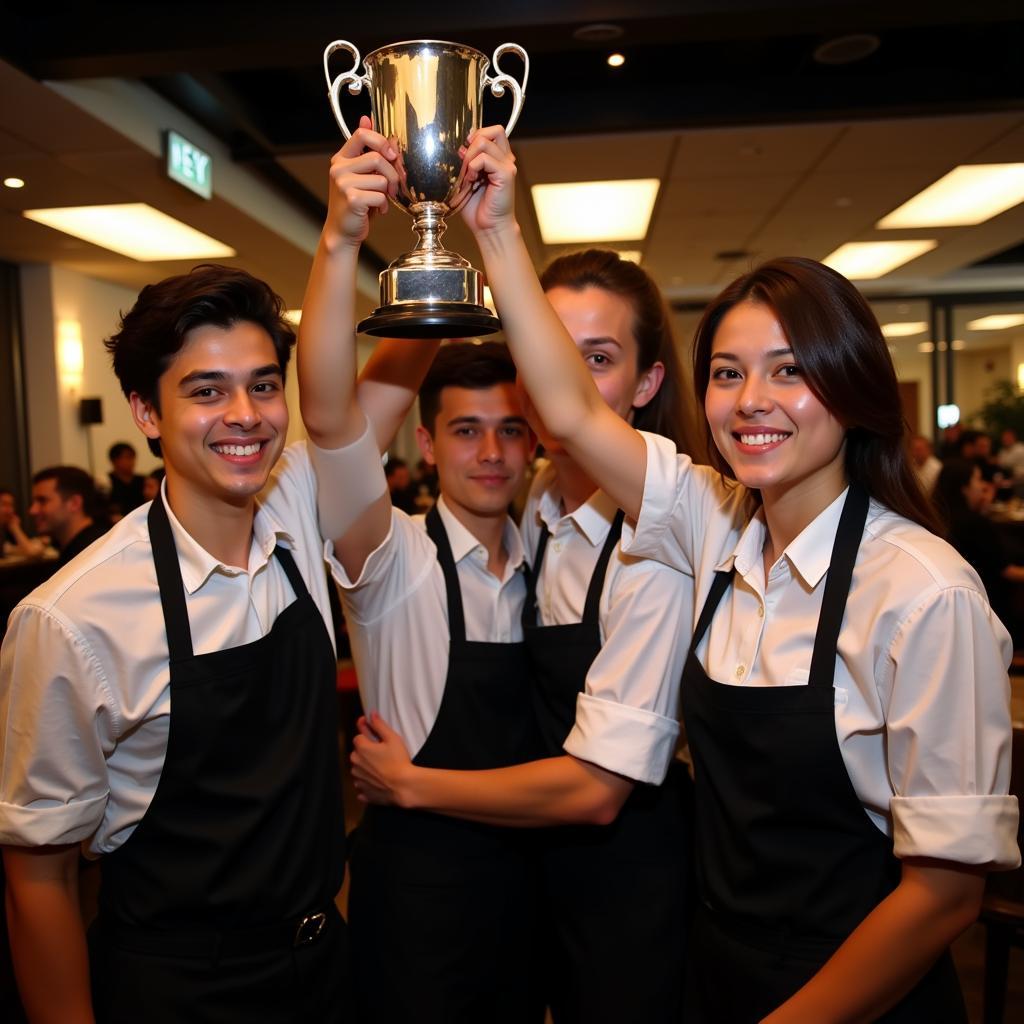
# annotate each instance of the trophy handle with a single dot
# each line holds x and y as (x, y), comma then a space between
(501, 81)
(354, 82)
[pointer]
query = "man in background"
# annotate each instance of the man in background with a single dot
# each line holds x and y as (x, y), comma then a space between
(65, 508)
(126, 486)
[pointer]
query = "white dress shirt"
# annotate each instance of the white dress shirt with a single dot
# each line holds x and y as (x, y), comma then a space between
(84, 680)
(922, 695)
(397, 613)
(627, 716)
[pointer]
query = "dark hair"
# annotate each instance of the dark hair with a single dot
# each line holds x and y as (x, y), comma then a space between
(393, 463)
(846, 363)
(667, 412)
(949, 497)
(69, 481)
(967, 437)
(461, 364)
(153, 331)
(157, 474)
(119, 448)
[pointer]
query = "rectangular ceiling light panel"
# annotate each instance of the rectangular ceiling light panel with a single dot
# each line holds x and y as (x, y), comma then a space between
(136, 230)
(969, 194)
(862, 261)
(996, 322)
(904, 329)
(595, 211)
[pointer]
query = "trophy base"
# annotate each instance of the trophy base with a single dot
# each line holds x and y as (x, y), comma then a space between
(428, 321)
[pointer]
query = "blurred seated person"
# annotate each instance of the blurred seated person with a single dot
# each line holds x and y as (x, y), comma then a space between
(14, 539)
(126, 486)
(151, 484)
(949, 447)
(67, 508)
(1011, 455)
(401, 487)
(924, 463)
(961, 496)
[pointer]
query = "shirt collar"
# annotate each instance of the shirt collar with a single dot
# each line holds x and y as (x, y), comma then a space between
(198, 565)
(593, 518)
(809, 553)
(463, 542)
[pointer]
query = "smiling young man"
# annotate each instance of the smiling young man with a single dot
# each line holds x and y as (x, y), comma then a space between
(168, 703)
(440, 909)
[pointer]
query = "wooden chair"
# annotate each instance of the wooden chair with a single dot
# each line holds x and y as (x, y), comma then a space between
(1002, 911)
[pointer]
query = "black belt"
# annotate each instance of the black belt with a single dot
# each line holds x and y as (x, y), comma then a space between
(216, 945)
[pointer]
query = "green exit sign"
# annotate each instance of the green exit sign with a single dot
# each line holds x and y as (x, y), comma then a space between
(189, 165)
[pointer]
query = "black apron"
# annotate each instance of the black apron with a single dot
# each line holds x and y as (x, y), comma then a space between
(788, 861)
(220, 908)
(441, 909)
(614, 897)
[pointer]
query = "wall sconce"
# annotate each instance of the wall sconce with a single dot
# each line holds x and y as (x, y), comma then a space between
(70, 355)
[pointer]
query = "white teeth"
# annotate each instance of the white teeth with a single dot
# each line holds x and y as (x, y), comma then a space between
(237, 449)
(761, 439)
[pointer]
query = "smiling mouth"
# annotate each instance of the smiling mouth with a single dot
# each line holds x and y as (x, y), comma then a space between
(239, 450)
(760, 439)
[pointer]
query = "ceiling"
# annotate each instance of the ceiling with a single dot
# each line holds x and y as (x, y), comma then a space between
(761, 149)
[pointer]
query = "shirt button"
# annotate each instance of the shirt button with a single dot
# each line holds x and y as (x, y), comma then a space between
(760, 611)
(740, 669)
(557, 545)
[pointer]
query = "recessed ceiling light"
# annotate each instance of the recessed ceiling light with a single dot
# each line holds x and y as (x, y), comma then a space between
(616, 60)
(847, 49)
(996, 322)
(925, 347)
(597, 32)
(293, 316)
(969, 194)
(14, 182)
(595, 211)
(136, 230)
(958, 345)
(904, 329)
(861, 261)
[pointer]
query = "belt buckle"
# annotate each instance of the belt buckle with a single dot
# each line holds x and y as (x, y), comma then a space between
(310, 929)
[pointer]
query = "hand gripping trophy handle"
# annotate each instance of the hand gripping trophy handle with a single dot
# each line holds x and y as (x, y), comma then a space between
(354, 82)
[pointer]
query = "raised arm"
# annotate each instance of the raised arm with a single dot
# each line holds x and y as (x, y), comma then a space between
(354, 508)
(560, 386)
(389, 382)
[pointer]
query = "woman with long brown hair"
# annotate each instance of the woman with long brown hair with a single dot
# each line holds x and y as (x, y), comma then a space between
(845, 695)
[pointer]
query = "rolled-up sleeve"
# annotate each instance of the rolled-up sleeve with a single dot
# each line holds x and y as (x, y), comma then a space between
(948, 732)
(626, 718)
(57, 718)
(349, 480)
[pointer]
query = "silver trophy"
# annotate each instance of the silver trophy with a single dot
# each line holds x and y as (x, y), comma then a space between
(426, 97)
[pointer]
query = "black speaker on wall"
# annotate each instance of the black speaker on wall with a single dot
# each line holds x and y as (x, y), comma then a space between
(90, 410)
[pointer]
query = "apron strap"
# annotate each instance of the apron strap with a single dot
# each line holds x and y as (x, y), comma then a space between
(437, 533)
(532, 576)
(719, 586)
(590, 609)
(837, 586)
(168, 578)
(291, 570)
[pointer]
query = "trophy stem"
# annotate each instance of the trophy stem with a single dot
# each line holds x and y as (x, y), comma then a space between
(430, 226)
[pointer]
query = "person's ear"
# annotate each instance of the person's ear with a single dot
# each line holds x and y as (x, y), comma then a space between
(648, 385)
(145, 415)
(426, 445)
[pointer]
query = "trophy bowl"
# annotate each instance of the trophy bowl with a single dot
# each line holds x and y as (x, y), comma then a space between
(426, 97)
